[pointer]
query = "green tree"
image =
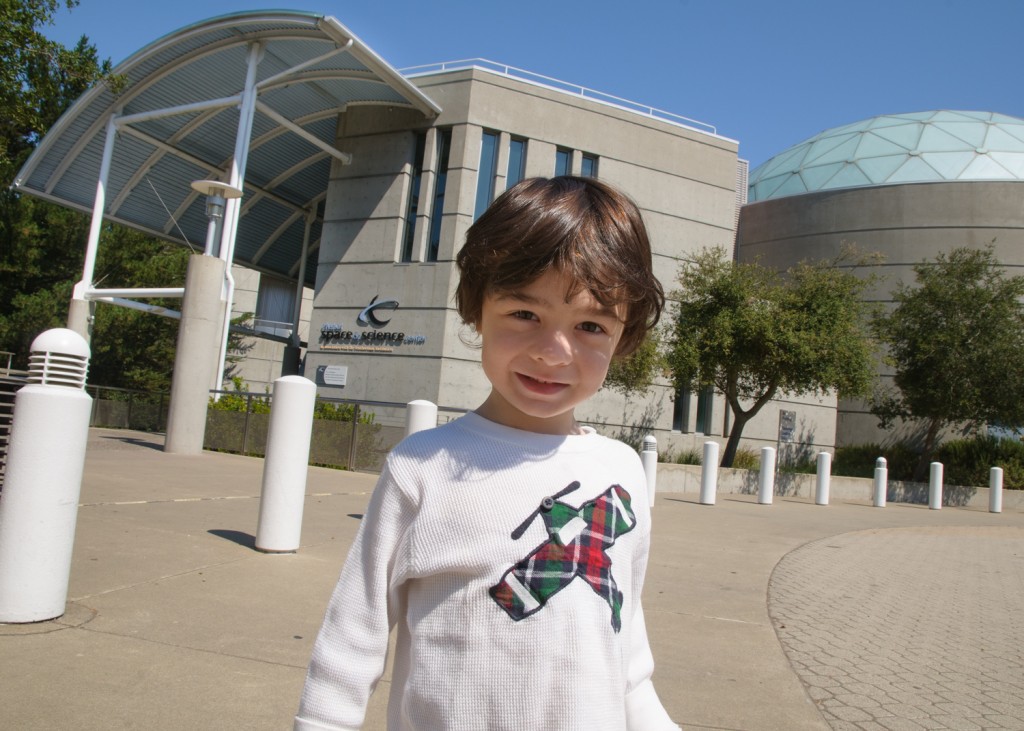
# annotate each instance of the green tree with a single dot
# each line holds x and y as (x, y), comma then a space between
(42, 245)
(956, 341)
(130, 348)
(636, 372)
(753, 334)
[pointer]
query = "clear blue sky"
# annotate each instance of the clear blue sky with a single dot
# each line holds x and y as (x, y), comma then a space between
(768, 74)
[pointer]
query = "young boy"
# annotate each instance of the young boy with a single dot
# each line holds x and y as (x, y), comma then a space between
(508, 547)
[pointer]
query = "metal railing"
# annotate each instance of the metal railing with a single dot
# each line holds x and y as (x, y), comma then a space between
(125, 408)
(347, 433)
(563, 86)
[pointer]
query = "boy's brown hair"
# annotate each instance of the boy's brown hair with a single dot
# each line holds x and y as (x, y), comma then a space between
(582, 227)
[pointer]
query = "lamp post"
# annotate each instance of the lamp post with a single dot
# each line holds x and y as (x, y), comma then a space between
(204, 322)
(217, 194)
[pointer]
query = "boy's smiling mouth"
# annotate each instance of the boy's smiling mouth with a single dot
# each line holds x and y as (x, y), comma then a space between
(539, 385)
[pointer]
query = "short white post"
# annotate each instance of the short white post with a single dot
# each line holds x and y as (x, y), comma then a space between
(935, 486)
(45, 462)
(419, 415)
(709, 474)
(766, 477)
(824, 478)
(649, 459)
(995, 490)
(285, 467)
(881, 482)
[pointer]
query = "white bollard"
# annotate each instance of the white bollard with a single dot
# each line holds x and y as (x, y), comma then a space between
(824, 478)
(649, 459)
(935, 486)
(45, 461)
(995, 490)
(709, 474)
(766, 478)
(881, 482)
(285, 467)
(420, 415)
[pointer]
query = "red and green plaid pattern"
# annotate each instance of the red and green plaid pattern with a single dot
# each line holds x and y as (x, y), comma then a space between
(526, 587)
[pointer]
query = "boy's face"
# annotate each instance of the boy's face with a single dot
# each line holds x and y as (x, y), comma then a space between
(543, 355)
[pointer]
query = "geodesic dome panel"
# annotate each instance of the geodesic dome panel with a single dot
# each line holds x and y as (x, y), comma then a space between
(920, 147)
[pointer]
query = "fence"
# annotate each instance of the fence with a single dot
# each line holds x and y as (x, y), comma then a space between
(348, 433)
(123, 408)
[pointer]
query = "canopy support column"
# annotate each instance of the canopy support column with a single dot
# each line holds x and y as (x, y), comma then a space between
(80, 310)
(229, 234)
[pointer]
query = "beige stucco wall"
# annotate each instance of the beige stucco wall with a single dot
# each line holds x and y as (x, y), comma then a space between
(907, 224)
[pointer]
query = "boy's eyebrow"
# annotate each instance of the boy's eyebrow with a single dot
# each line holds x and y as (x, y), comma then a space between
(599, 309)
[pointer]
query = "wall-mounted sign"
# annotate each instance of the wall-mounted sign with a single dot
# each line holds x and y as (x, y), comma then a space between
(376, 340)
(787, 426)
(335, 375)
(370, 316)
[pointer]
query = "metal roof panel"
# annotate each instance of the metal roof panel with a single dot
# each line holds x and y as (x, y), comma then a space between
(190, 82)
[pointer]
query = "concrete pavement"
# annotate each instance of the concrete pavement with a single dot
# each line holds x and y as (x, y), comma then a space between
(762, 618)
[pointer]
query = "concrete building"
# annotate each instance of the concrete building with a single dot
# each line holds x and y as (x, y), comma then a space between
(908, 186)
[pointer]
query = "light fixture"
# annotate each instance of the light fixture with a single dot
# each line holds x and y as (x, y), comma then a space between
(217, 194)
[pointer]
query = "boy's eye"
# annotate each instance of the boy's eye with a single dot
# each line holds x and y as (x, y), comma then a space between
(524, 315)
(591, 327)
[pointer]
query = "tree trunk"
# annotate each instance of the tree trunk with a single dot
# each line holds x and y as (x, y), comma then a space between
(740, 420)
(923, 462)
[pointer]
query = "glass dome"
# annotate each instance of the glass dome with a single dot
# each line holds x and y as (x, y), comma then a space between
(921, 147)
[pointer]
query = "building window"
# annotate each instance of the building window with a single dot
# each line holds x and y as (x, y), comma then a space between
(681, 410)
(705, 400)
(414, 198)
(563, 161)
(589, 166)
(516, 161)
(488, 169)
(275, 304)
(444, 147)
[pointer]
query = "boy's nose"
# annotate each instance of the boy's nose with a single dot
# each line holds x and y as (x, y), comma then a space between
(553, 347)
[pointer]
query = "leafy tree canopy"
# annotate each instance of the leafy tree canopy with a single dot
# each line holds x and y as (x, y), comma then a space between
(956, 341)
(42, 245)
(754, 333)
(636, 372)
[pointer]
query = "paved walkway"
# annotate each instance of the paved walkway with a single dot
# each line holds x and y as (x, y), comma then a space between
(907, 628)
(788, 617)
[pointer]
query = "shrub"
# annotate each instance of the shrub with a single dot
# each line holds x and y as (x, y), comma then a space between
(746, 459)
(860, 460)
(968, 461)
(239, 399)
(965, 461)
(686, 457)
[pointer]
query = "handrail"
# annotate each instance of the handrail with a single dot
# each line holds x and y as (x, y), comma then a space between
(552, 83)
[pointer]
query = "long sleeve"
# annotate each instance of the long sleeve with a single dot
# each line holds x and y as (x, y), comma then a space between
(351, 648)
(644, 711)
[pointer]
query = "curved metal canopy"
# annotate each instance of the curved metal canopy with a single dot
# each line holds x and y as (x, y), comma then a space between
(177, 120)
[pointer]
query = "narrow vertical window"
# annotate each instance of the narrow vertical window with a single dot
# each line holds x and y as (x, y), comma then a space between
(704, 401)
(681, 410)
(444, 146)
(516, 161)
(486, 172)
(563, 161)
(414, 198)
(589, 166)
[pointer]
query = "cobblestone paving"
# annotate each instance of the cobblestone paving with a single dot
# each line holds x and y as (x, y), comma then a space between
(907, 629)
